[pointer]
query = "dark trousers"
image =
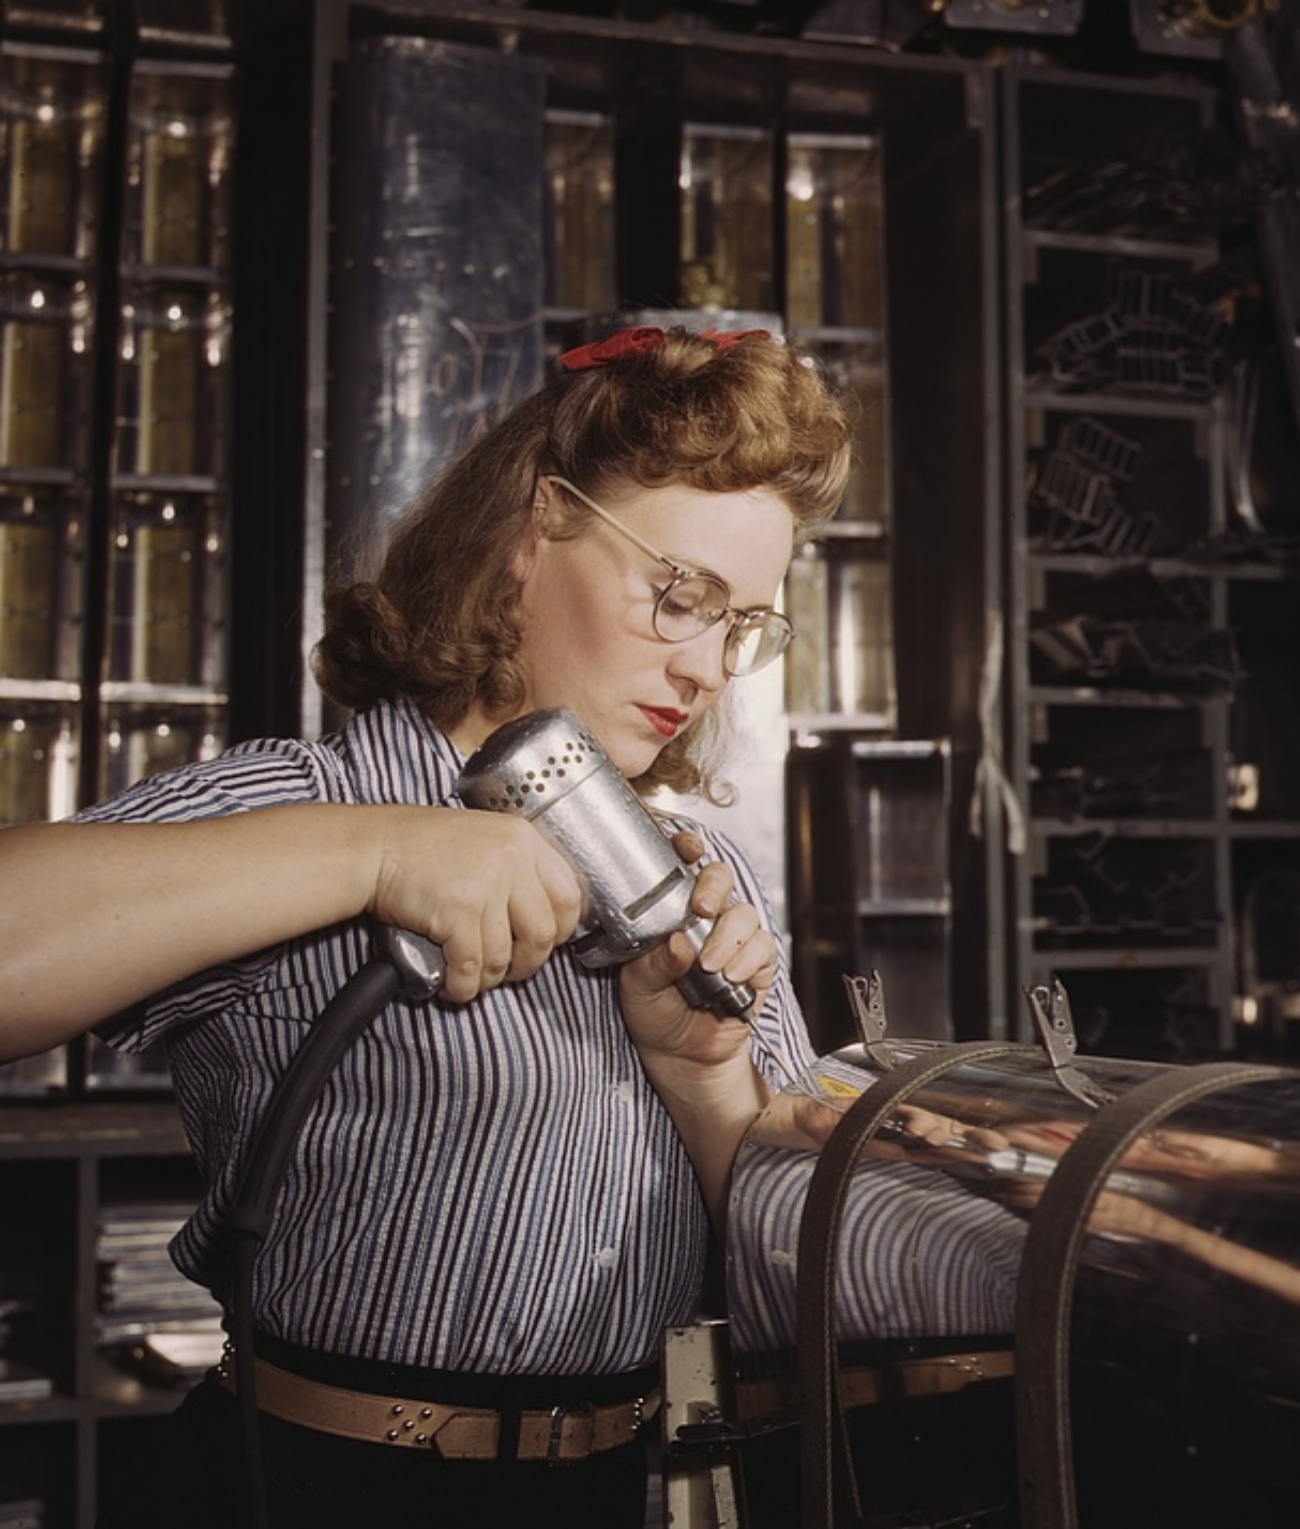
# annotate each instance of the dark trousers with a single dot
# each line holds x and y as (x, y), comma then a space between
(194, 1477)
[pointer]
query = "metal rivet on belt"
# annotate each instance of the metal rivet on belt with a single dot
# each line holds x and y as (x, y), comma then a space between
(422, 1438)
(408, 1424)
(391, 1435)
(426, 1412)
(398, 1409)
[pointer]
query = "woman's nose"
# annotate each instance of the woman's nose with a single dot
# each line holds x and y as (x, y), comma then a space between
(700, 658)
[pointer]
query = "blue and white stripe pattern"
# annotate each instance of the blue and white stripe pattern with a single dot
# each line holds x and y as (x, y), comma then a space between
(919, 1255)
(490, 1187)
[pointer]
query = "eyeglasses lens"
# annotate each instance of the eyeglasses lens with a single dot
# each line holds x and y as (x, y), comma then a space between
(693, 604)
(753, 644)
(689, 606)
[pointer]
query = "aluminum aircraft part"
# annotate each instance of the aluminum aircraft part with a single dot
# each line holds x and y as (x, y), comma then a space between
(1185, 1324)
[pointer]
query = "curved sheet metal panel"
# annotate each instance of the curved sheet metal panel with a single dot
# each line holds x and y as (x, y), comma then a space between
(1185, 1325)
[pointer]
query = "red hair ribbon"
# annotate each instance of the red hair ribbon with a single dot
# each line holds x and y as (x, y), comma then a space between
(725, 337)
(640, 342)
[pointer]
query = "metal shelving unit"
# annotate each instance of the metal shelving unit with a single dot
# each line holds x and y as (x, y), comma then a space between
(116, 317)
(59, 1169)
(115, 331)
(1131, 571)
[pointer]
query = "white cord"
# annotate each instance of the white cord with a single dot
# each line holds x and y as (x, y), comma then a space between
(991, 768)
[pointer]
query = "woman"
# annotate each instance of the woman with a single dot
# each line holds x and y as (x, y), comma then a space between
(501, 1196)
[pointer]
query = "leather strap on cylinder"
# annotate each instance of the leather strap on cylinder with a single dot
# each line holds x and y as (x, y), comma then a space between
(820, 1415)
(1048, 1269)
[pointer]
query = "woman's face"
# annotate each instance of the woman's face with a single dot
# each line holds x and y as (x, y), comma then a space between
(590, 642)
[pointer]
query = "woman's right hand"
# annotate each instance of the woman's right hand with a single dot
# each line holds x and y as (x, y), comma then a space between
(485, 886)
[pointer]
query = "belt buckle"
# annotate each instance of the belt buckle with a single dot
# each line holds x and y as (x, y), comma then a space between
(582, 1414)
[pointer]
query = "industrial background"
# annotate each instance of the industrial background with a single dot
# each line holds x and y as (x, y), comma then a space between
(262, 263)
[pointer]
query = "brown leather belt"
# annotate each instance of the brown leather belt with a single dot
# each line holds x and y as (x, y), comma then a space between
(558, 1435)
(937, 1375)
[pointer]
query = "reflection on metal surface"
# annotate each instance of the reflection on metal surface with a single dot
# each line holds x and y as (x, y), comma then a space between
(859, 365)
(52, 111)
(438, 271)
(1186, 1318)
(30, 585)
(168, 570)
(834, 231)
(807, 603)
(175, 357)
(839, 596)
(27, 554)
(45, 324)
(38, 759)
(726, 216)
(580, 262)
(180, 150)
(146, 739)
(1223, 1188)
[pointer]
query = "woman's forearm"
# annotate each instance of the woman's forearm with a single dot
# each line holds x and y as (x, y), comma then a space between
(712, 1110)
(97, 916)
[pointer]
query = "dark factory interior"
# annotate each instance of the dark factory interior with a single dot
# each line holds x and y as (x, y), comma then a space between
(1011, 1238)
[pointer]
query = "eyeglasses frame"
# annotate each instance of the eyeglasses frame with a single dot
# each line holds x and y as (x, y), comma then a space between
(737, 614)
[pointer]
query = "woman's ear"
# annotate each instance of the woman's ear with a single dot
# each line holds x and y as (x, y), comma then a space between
(547, 515)
(537, 526)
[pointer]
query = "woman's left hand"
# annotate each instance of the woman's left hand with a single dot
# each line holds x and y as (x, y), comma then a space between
(658, 1017)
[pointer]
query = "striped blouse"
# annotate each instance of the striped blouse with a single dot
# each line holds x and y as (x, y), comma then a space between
(489, 1187)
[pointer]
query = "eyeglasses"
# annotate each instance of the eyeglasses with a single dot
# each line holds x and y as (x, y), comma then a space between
(692, 602)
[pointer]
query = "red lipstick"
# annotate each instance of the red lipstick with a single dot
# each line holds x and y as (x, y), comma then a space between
(664, 719)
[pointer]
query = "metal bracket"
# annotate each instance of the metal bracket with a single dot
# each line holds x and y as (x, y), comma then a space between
(700, 1488)
(867, 1001)
(1050, 1009)
(711, 1430)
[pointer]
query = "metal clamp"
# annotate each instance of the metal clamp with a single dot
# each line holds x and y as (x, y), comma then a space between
(1050, 1009)
(867, 1000)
